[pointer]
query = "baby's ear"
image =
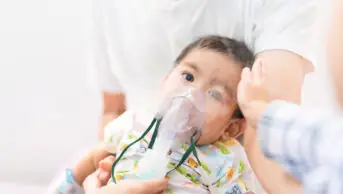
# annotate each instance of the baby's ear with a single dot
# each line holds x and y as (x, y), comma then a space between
(234, 129)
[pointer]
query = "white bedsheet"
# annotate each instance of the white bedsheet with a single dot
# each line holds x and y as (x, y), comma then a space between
(14, 188)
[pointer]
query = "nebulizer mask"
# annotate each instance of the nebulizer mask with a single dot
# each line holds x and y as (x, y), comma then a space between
(178, 121)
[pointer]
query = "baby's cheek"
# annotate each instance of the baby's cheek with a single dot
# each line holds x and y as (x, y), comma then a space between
(211, 131)
(213, 121)
(217, 112)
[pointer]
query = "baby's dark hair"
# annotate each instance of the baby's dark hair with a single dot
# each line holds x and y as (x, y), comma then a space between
(237, 50)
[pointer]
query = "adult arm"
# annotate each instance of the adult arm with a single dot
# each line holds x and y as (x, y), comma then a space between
(70, 180)
(281, 65)
(305, 143)
(112, 92)
(282, 40)
(113, 106)
(335, 47)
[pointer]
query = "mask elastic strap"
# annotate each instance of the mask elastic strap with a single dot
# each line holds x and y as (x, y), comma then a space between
(154, 135)
(191, 149)
(139, 139)
(194, 151)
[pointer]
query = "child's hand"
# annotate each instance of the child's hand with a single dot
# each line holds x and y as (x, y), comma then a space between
(253, 95)
(100, 177)
(89, 163)
(97, 182)
(105, 167)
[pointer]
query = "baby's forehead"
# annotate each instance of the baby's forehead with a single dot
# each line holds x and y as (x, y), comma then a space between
(212, 60)
(224, 73)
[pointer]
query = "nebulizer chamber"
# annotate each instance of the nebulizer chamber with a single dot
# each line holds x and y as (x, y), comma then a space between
(181, 117)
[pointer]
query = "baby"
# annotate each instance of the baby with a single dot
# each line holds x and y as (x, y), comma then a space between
(211, 65)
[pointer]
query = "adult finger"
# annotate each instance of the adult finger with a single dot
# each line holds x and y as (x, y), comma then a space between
(243, 84)
(99, 154)
(105, 167)
(106, 164)
(257, 72)
(103, 176)
(91, 183)
(246, 75)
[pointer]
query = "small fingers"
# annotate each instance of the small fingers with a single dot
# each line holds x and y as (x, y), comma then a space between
(246, 75)
(103, 177)
(257, 72)
(91, 183)
(243, 84)
(106, 164)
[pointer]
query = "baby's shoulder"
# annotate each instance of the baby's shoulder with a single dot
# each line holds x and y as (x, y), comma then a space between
(116, 129)
(231, 150)
(222, 148)
(221, 157)
(123, 122)
(128, 121)
(229, 165)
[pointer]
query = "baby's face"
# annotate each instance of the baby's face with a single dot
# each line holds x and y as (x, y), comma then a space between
(215, 75)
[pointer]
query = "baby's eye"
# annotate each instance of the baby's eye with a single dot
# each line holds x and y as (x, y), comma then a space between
(216, 95)
(188, 77)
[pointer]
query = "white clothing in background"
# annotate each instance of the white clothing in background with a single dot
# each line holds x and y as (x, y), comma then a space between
(137, 41)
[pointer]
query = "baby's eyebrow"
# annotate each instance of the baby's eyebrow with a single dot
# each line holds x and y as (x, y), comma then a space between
(193, 66)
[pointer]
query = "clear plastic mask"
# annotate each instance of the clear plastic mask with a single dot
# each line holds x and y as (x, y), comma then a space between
(182, 116)
(180, 119)
(182, 113)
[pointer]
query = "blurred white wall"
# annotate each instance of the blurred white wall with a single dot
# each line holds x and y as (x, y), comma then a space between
(49, 108)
